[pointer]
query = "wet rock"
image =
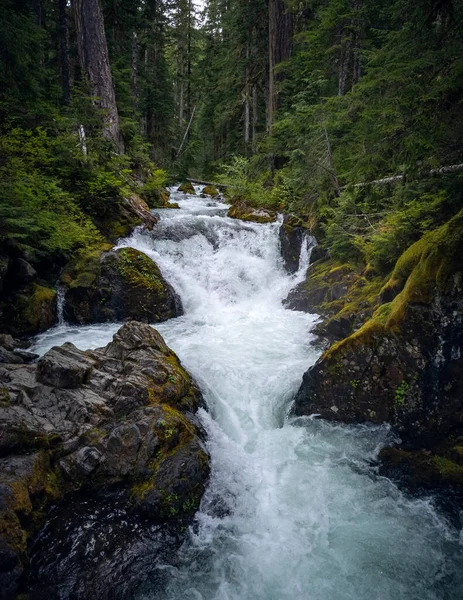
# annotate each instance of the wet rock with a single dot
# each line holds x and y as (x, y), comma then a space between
(292, 234)
(116, 418)
(210, 190)
(340, 293)
(187, 188)
(25, 272)
(118, 285)
(241, 210)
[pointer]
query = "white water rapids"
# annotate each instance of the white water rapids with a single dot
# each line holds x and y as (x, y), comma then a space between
(294, 509)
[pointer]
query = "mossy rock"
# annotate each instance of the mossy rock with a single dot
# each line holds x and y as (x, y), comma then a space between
(157, 197)
(187, 188)
(244, 212)
(210, 190)
(424, 469)
(404, 366)
(117, 285)
(34, 311)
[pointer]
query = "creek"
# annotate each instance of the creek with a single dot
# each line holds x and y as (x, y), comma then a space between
(295, 508)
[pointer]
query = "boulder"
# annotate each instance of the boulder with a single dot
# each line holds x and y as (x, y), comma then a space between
(241, 210)
(210, 190)
(187, 188)
(117, 285)
(116, 421)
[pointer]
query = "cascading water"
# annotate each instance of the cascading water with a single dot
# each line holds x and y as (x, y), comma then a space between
(294, 509)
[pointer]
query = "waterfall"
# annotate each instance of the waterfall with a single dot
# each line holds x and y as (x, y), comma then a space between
(294, 508)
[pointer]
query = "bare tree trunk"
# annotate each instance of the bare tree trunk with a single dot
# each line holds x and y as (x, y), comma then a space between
(94, 60)
(63, 33)
(255, 117)
(247, 108)
(134, 73)
(344, 66)
(280, 32)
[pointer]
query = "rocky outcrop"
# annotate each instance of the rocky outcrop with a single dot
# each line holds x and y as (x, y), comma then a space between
(245, 212)
(113, 285)
(343, 295)
(116, 421)
(405, 365)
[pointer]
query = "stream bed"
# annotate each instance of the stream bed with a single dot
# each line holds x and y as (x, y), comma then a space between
(295, 508)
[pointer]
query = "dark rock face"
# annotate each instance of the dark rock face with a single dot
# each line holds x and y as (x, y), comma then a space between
(118, 418)
(405, 365)
(292, 235)
(118, 285)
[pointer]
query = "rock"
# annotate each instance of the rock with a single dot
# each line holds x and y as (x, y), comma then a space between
(187, 188)
(341, 294)
(26, 357)
(405, 365)
(210, 190)
(10, 357)
(117, 420)
(24, 272)
(118, 285)
(157, 197)
(241, 210)
(4, 266)
(7, 341)
(292, 234)
(127, 214)
(34, 311)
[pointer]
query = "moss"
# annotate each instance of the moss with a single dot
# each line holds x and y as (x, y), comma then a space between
(139, 270)
(85, 269)
(430, 265)
(187, 188)
(34, 311)
(210, 190)
(246, 213)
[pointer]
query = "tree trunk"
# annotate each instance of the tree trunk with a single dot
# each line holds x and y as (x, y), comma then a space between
(134, 73)
(94, 60)
(255, 117)
(63, 32)
(279, 49)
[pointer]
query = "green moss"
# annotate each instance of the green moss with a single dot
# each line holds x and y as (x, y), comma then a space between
(400, 393)
(187, 188)
(210, 190)
(430, 265)
(139, 270)
(85, 269)
(244, 212)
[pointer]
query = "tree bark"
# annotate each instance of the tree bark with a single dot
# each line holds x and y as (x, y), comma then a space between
(280, 32)
(94, 60)
(63, 30)
(134, 73)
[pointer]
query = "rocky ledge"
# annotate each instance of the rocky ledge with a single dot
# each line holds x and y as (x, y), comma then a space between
(117, 423)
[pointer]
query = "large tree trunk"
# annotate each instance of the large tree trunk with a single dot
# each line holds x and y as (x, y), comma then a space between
(134, 73)
(94, 60)
(279, 49)
(63, 29)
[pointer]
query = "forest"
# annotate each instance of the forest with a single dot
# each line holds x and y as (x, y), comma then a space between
(231, 315)
(295, 103)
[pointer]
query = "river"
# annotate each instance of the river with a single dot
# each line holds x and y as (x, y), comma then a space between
(295, 508)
